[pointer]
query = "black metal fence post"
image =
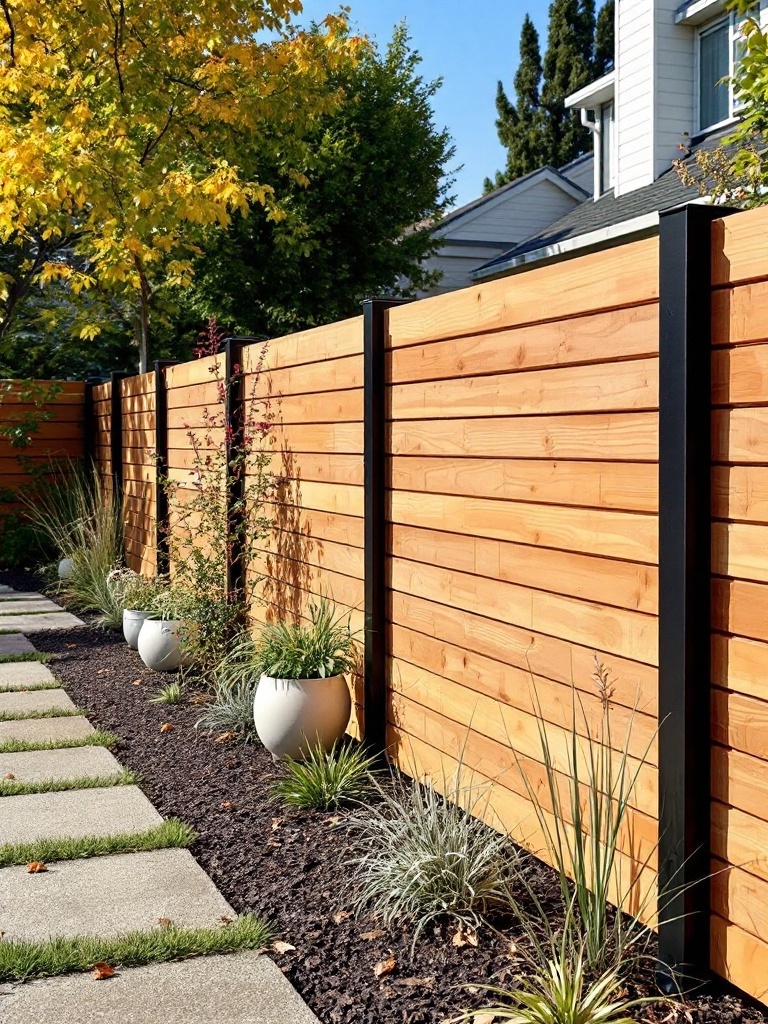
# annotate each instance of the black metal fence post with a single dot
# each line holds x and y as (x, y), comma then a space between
(161, 465)
(116, 436)
(375, 502)
(233, 419)
(685, 326)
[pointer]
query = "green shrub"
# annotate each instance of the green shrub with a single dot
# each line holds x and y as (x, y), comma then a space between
(421, 857)
(323, 647)
(323, 781)
(171, 693)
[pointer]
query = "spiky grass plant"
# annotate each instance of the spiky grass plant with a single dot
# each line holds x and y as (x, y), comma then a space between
(83, 522)
(171, 693)
(421, 856)
(582, 826)
(324, 781)
(325, 646)
(235, 681)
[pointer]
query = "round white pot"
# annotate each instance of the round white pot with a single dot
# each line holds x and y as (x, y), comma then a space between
(66, 568)
(159, 645)
(133, 620)
(292, 715)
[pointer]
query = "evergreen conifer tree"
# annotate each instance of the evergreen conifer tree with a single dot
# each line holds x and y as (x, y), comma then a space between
(567, 67)
(519, 125)
(605, 38)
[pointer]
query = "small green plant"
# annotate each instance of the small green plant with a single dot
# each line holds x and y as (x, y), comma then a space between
(134, 591)
(557, 989)
(421, 856)
(323, 647)
(323, 781)
(231, 708)
(583, 835)
(22, 960)
(168, 694)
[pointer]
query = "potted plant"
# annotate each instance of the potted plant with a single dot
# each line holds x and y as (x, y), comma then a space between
(159, 642)
(138, 595)
(302, 698)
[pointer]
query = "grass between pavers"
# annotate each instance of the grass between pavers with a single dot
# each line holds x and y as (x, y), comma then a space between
(54, 685)
(42, 656)
(171, 834)
(13, 787)
(94, 739)
(56, 610)
(23, 716)
(21, 961)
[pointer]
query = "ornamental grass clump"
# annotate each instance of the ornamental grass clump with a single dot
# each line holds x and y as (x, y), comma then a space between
(324, 646)
(421, 857)
(324, 781)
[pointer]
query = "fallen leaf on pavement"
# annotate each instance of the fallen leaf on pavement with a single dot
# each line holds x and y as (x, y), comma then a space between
(102, 970)
(226, 920)
(281, 947)
(164, 922)
(384, 967)
(35, 867)
(464, 937)
(375, 934)
(10, 775)
(224, 737)
(341, 915)
(166, 727)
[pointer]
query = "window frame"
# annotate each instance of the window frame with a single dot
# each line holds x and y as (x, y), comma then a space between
(733, 21)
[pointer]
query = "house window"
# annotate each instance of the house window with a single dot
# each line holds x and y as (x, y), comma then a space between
(607, 122)
(720, 48)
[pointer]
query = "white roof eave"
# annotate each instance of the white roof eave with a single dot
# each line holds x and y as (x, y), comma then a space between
(594, 94)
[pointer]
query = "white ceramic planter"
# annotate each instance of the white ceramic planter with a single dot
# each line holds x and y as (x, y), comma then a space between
(133, 620)
(159, 645)
(292, 715)
(66, 568)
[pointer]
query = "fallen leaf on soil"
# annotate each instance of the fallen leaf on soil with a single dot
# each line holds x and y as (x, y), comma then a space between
(281, 947)
(464, 937)
(166, 727)
(10, 775)
(226, 805)
(225, 736)
(102, 970)
(484, 1018)
(416, 982)
(335, 820)
(276, 823)
(375, 934)
(273, 842)
(512, 949)
(138, 682)
(35, 867)
(341, 915)
(164, 922)
(102, 671)
(384, 967)
(70, 646)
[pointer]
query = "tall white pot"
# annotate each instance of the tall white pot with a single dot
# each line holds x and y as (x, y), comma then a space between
(159, 645)
(292, 715)
(133, 620)
(66, 568)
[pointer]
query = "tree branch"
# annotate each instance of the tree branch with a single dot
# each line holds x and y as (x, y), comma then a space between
(154, 143)
(11, 30)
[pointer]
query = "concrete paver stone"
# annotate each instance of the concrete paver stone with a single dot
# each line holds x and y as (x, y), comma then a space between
(108, 896)
(32, 623)
(15, 643)
(41, 730)
(11, 609)
(20, 701)
(74, 813)
(21, 595)
(20, 674)
(64, 763)
(238, 988)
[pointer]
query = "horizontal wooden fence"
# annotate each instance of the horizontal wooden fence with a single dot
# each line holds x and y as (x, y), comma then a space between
(506, 486)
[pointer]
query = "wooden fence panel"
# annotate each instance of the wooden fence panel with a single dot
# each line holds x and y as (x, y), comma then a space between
(523, 532)
(311, 385)
(739, 694)
(139, 473)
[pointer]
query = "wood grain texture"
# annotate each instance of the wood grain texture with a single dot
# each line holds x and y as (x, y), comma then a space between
(740, 435)
(740, 315)
(739, 957)
(740, 722)
(740, 492)
(737, 247)
(740, 550)
(343, 338)
(740, 375)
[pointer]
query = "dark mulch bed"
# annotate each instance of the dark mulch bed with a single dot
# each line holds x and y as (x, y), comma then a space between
(290, 868)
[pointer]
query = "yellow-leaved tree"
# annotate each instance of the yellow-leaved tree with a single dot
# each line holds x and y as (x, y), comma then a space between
(125, 129)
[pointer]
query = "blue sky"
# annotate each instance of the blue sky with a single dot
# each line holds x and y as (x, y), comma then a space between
(470, 44)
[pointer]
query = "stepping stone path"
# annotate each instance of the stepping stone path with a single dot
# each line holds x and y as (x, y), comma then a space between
(106, 896)
(30, 612)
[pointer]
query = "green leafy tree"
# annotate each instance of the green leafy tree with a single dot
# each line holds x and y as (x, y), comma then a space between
(363, 219)
(520, 125)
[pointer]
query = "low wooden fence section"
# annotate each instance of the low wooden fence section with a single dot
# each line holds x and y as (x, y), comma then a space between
(739, 923)
(42, 423)
(310, 388)
(523, 528)
(501, 485)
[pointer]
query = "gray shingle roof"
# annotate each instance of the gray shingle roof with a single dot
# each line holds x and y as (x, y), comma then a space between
(665, 192)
